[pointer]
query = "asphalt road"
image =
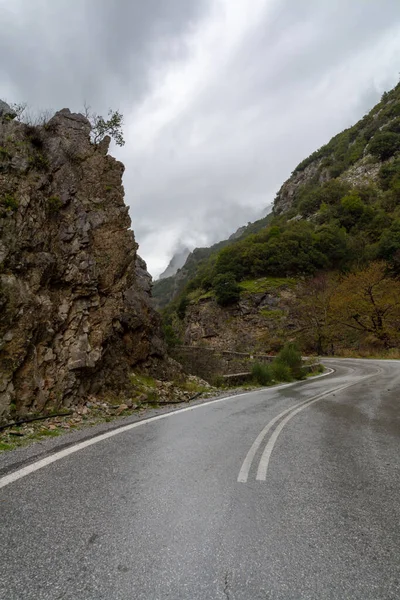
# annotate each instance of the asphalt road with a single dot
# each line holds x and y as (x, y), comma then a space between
(214, 502)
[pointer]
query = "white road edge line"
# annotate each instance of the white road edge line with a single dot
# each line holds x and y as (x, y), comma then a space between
(245, 468)
(44, 462)
(266, 455)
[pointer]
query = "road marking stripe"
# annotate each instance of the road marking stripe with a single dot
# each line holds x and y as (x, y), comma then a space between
(266, 455)
(244, 471)
(44, 462)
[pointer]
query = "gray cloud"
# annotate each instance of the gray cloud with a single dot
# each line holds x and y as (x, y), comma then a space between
(221, 98)
(66, 51)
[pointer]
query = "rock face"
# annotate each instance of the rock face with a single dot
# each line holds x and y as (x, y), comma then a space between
(251, 325)
(6, 110)
(75, 312)
(286, 195)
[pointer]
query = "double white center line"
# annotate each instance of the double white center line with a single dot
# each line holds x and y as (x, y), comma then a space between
(290, 412)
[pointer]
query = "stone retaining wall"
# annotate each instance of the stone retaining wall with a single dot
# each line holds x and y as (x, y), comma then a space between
(209, 363)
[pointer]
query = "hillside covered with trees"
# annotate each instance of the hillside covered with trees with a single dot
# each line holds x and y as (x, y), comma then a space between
(335, 230)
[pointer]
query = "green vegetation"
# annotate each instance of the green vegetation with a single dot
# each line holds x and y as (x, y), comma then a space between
(385, 145)
(144, 381)
(54, 204)
(4, 153)
(287, 366)
(196, 272)
(4, 446)
(290, 357)
(370, 134)
(38, 161)
(262, 374)
(265, 284)
(340, 222)
(226, 289)
(8, 202)
(101, 127)
(272, 313)
(356, 311)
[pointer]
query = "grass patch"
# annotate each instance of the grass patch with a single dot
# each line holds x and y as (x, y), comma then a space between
(270, 313)
(265, 284)
(142, 381)
(4, 447)
(192, 387)
(46, 433)
(200, 294)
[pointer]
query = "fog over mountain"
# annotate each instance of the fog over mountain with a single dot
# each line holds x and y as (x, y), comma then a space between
(222, 98)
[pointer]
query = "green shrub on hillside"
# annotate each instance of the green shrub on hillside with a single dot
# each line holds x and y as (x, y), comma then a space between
(281, 372)
(182, 306)
(262, 374)
(290, 356)
(226, 288)
(333, 224)
(384, 145)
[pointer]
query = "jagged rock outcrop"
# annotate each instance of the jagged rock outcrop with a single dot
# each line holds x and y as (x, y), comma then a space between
(75, 311)
(6, 110)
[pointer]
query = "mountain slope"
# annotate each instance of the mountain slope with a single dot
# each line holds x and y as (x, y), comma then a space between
(168, 288)
(338, 212)
(176, 262)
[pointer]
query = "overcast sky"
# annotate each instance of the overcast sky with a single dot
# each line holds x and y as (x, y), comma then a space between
(221, 98)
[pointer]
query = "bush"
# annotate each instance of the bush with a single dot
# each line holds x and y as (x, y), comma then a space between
(54, 204)
(226, 288)
(262, 374)
(280, 371)
(182, 306)
(290, 357)
(170, 336)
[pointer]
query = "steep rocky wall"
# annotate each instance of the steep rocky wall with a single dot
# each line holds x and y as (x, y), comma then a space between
(254, 324)
(75, 312)
(363, 172)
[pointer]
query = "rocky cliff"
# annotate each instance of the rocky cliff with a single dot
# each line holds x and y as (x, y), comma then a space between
(354, 156)
(75, 312)
(253, 324)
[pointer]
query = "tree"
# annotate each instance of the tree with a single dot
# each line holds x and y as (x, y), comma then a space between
(368, 301)
(226, 289)
(384, 145)
(311, 310)
(100, 127)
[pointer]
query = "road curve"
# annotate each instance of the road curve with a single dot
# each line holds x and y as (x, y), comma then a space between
(285, 493)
